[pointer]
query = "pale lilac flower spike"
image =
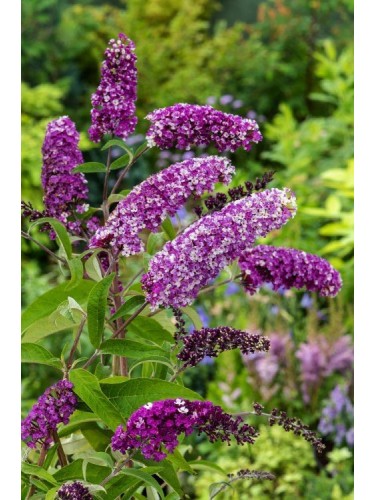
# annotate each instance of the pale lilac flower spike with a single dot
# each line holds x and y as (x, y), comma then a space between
(162, 194)
(179, 271)
(182, 126)
(114, 100)
(288, 268)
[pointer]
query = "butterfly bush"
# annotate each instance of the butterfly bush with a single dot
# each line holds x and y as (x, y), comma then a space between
(74, 491)
(162, 194)
(182, 126)
(156, 426)
(179, 271)
(55, 406)
(65, 192)
(225, 232)
(114, 100)
(287, 268)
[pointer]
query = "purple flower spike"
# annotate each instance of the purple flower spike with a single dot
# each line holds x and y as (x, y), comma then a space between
(179, 271)
(160, 195)
(74, 491)
(288, 268)
(155, 427)
(64, 192)
(182, 126)
(114, 100)
(55, 406)
(213, 341)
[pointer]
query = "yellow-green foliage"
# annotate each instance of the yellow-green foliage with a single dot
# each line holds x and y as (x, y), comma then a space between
(284, 455)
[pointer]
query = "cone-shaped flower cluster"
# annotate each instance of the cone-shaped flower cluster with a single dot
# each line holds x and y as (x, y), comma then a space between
(182, 126)
(288, 268)
(64, 192)
(114, 100)
(55, 406)
(213, 341)
(179, 271)
(162, 194)
(155, 427)
(74, 491)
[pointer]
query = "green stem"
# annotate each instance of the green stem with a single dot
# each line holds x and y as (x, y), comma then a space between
(42, 457)
(105, 187)
(75, 343)
(60, 451)
(126, 170)
(30, 238)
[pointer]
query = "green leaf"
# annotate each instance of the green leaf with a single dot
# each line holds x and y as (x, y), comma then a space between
(149, 329)
(130, 349)
(33, 353)
(120, 162)
(90, 167)
(62, 235)
(115, 198)
(207, 465)
(145, 477)
(51, 494)
(131, 395)
(96, 309)
(71, 471)
(154, 242)
(119, 143)
(179, 462)
(194, 316)
(76, 272)
(129, 307)
(140, 149)
(169, 229)
(35, 470)
(92, 267)
(60, 320)
(87, 387)
(48, 302)
(76, 421)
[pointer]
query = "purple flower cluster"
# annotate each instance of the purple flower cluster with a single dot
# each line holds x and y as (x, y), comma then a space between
(182, 126)
(320, 359)
(287, 268)
(337, 418)
(156, 426)
(213, 341)
(74, 491)
(114, 100)
(54, 406)
(179, 271)
(162, 194)
(64, 192)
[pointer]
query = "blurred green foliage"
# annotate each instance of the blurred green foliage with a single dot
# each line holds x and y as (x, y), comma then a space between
(293, 465)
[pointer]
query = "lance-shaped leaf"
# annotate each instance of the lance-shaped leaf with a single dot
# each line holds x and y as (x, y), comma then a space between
(96, 309)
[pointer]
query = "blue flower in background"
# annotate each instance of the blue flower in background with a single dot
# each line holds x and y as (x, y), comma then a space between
(231, 289)
(306, 301)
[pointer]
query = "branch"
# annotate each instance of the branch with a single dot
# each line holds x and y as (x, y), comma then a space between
(30, 238)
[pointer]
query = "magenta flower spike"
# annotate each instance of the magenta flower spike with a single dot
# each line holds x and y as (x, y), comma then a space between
(288, 268)
(64, 192)
(113, 102)
(55, 406)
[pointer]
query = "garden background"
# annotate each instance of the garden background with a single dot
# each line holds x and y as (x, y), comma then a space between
(289, 65)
